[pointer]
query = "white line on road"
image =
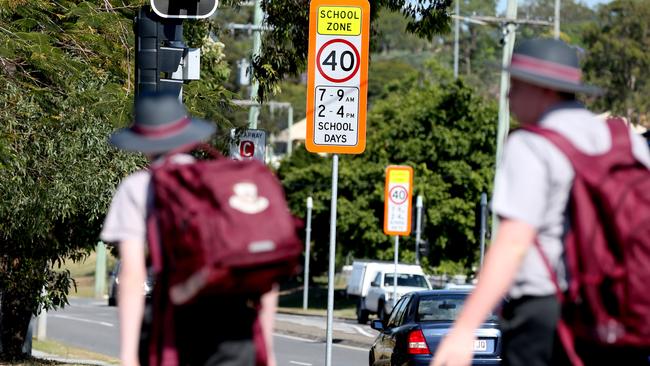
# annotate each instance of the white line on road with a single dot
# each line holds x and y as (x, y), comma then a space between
(300, 363)
(360, 330)
(295, 338)
(313, 341)
(106, 324)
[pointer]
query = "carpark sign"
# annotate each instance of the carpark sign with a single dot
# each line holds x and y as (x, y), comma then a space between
(337, 76)
(397, 200)
(251, 144)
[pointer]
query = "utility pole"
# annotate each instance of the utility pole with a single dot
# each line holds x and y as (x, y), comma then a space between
(556, 20)
(456, 38)
(254, 111)
(504, 112)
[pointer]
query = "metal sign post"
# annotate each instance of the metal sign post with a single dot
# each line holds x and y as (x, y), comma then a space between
(396, 258)
(337, 89)
(418, 228)
(330, 277)
(504, 111)
(305, 294)
(484, 214)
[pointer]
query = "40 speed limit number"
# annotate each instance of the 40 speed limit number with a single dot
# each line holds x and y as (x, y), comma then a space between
(337, 76)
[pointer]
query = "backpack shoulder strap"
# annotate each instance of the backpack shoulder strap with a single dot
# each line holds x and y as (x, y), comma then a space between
(621, 149)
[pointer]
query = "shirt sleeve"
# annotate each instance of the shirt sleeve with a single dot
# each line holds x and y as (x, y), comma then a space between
(126, 218)
(522, 182)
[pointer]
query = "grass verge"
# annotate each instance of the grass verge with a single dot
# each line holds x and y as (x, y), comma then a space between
(64, 351)
(291, 299)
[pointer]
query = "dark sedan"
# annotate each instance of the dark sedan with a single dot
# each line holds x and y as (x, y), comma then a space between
(418, 323)
(114, 285)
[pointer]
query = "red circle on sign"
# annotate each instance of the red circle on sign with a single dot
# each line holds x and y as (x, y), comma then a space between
(394, 200)
(356, 53)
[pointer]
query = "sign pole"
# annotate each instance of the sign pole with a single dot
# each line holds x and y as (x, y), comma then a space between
(484, 214)
(418, 228)
(398, 197)
(330, 287)
(395, 274)
(305, 295)
(504, 112)
(337, 90)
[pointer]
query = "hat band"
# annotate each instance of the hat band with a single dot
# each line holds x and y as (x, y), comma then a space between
(546, 68)
(169, 129)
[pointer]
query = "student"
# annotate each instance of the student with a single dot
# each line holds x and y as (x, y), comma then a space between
(215, 331)
(532, 188)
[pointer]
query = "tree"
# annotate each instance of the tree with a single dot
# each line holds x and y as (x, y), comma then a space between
(66, 82)
(437, 125)
(617, 58)
(284, 47)
(575, 16)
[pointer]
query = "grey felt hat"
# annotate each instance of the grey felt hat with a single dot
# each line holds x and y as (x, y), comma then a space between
(549, 63)
(161, 123)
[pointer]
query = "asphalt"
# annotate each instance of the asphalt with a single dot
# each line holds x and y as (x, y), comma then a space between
(312, 327)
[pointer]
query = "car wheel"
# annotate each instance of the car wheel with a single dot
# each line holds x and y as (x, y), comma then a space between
(362, 314)
(371, 358)
(381, 312)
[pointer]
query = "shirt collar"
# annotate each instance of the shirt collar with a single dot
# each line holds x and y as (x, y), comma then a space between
(176, 159)
(561, 106)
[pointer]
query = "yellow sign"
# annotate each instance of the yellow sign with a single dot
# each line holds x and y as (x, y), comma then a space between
(339, 20)
(399, 176)
(398, 193)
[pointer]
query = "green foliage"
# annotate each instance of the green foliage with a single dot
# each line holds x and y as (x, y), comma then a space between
(575, 17)
(390, 34)
(385, 76)
(284, 47)
(618, 59)
(438, 126)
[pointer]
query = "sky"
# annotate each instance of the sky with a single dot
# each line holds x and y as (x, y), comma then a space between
(502, 4)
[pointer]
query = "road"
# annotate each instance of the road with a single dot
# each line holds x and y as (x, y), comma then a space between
(91, 325)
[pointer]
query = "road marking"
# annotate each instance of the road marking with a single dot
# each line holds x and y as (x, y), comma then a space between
(295, 338)
(106, 324)
(351, 347)
(313, 341)
(300, 363)
(360, 330)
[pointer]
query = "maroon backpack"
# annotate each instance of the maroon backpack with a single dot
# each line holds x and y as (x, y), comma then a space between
(218, 227)
(608, 246)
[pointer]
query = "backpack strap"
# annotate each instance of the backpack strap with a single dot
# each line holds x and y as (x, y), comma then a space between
(621, 150)
(162, 346)
(563, 330)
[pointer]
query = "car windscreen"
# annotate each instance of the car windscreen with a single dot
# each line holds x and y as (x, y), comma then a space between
(404, 279)
(443, 308)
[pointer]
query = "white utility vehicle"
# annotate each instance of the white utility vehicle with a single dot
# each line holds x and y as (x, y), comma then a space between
(372, 282)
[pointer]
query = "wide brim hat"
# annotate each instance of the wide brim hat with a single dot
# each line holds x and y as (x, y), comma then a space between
(551, 64)
(161, 124)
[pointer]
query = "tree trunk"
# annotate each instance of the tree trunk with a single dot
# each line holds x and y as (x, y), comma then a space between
(15, 315)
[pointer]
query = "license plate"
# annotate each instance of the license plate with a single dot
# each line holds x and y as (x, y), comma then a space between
(480, 345)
